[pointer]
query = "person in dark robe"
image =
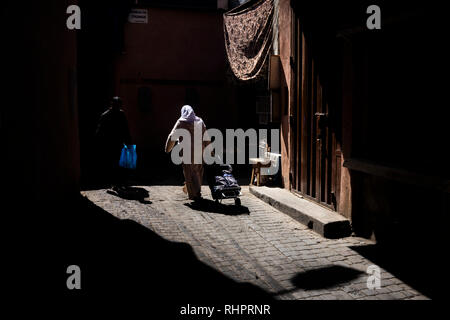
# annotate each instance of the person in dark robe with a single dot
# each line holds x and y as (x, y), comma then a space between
(112, 133)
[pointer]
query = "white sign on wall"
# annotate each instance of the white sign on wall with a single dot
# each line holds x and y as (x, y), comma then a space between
(138, 16)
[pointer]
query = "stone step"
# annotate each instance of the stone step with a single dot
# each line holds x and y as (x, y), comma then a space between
(325, 222)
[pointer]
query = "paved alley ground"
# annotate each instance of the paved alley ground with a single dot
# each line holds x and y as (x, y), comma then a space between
(257, 244)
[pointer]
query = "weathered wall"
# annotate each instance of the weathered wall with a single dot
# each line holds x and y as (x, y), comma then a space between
(39, 135)
(286, 90)
(399, 184)
(175, 52)
(345, 196)
(40, 122)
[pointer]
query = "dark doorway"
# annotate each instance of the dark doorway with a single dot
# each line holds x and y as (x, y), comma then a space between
(316, 154)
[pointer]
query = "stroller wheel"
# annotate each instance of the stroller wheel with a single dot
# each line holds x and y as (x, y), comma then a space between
(237, 201)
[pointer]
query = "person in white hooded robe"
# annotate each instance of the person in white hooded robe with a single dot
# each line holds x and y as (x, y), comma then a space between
(193, 172)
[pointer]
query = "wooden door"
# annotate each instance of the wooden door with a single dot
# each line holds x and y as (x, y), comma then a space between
(317, 160)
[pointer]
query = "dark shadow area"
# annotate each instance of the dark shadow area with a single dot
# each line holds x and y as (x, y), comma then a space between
(206, 205)
(121, 259)
(323, 278)
(132, 193)
(406, 222)
(411, 264)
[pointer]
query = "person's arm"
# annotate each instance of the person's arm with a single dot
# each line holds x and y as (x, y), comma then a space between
(100, 131)
(169, 143)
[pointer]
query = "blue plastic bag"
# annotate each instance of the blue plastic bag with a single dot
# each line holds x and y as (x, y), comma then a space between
(128, 157)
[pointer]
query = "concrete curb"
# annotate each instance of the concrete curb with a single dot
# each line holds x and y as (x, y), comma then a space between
(327, 223)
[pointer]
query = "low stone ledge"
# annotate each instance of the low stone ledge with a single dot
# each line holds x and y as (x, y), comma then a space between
(327, 223)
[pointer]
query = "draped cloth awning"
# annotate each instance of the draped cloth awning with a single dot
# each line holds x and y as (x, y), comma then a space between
(248, 37)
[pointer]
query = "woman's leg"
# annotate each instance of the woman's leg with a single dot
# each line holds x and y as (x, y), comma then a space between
(193, 174)
(198, 179)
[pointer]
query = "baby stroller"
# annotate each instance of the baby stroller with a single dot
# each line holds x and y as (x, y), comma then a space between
(222, 183)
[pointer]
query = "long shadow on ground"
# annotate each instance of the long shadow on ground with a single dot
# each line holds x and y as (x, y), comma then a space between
(121, 258)
(324, 278)
(131, 193)
(206, 205)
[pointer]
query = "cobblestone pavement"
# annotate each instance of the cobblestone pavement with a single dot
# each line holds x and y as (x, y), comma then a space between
(260, 245)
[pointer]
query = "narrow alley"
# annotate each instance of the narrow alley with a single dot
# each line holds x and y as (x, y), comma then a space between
(165, 153)
(256, 243)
